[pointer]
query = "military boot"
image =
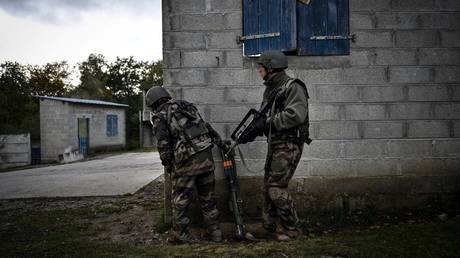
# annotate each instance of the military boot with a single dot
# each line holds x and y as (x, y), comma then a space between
(293, 234)
(270, 230)
(288, 234)
(215, 233)
(183, 237)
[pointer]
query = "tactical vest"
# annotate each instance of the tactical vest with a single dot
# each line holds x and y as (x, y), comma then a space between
(188, 128)
(300, 133)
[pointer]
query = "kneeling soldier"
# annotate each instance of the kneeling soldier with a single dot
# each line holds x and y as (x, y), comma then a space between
(185, 141)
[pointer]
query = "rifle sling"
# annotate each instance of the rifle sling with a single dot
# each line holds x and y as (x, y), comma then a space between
(243, 161)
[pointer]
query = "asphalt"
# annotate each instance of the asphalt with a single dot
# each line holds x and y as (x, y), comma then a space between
(109, 176)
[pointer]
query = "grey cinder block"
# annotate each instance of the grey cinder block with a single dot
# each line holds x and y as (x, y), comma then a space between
(411, 74)
(375, 38)
(422, 128)
(416, 38)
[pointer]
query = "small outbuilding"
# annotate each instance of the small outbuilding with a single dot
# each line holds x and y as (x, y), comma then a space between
(68, 125)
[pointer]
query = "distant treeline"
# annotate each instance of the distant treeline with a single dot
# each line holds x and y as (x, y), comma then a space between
(119, 81)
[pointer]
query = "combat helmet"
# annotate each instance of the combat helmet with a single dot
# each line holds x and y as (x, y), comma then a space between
(273, 60)
(154, 94)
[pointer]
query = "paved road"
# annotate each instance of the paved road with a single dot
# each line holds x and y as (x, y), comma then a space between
(114, 175)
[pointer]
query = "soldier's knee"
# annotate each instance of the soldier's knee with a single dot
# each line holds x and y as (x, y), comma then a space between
(181, 201)
(279, 196)
(210, 215)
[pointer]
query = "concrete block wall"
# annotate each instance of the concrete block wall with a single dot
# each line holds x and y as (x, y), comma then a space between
(54, 129)
(14, 150)
(59, 127)
(389, 109)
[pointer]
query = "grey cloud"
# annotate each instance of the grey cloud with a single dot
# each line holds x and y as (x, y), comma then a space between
(66, 11)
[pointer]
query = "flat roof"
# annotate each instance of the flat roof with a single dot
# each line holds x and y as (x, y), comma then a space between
(85, 101)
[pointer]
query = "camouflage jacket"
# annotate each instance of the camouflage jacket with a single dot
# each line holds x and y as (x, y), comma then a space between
(189, 155)
(291, 108)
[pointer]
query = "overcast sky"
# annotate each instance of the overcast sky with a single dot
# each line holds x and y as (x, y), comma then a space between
(41, 31)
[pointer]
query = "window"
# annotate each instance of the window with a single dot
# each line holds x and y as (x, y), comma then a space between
(112, 125)
(302, 27)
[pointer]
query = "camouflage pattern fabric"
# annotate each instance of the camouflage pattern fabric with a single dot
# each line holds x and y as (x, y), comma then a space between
(280, 166)
(183, 195)
(184, 141)
(188, 128)
(199, 163)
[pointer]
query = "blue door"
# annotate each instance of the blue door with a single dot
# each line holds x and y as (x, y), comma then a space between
(83, 135)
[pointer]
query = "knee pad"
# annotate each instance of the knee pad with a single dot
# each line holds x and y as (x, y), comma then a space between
(279, 196)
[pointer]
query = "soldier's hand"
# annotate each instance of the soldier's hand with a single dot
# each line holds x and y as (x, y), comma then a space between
(261, 124)
(226, 145)
(169, 169)
(166, 159)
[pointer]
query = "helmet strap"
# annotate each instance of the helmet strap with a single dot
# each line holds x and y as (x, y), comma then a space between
(159, 103)
(270, 73)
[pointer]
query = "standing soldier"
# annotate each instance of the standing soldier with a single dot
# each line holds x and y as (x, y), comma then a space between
(185, 141)
(286, 128)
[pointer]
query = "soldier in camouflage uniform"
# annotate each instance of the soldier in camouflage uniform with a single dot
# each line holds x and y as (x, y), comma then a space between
(286, 128)
(184, 143)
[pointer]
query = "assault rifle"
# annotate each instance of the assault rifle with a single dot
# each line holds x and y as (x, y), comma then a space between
(247, 129)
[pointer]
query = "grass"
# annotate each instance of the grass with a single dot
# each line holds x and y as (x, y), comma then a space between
(70, 233)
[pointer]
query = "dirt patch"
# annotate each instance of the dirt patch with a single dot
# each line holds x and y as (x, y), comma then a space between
(135, 226)
(131, 226)
(129, 218)
(137, 219)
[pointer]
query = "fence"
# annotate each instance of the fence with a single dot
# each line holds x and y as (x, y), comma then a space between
(14, 150)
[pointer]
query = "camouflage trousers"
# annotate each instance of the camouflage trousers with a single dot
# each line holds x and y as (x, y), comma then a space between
(281, 163)
(182, 197)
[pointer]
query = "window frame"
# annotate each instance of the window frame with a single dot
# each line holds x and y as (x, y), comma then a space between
(111, 125)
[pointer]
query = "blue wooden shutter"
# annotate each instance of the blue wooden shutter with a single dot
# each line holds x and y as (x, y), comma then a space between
(269, 25)
(109, 125)
(323, 18)
(112, 125)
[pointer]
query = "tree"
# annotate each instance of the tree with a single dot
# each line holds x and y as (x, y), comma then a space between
(50, 79)
(152, 75)
(121, 81)
(16, 104)
(93, 79)
(124, 77)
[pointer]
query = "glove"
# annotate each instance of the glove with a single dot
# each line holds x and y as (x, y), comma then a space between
(166, 159)
(261, 125)
(169, 169)
(225, 145)
(257, 129)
